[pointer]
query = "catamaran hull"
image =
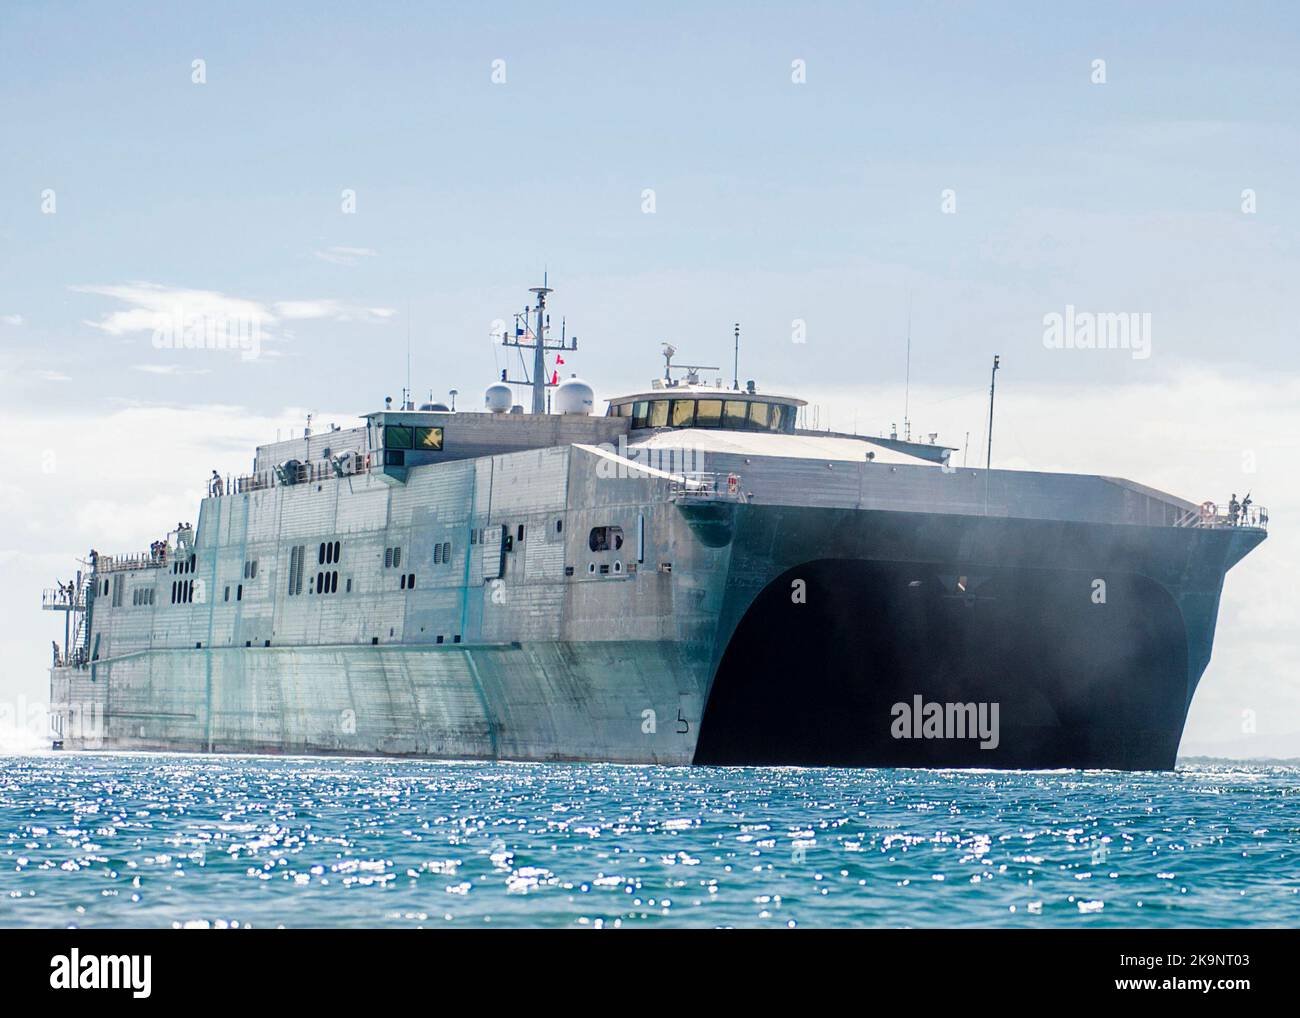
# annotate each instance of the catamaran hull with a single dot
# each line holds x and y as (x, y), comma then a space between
(925, 640)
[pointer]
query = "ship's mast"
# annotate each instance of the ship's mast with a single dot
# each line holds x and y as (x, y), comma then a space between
(539, 346)
(539, 351)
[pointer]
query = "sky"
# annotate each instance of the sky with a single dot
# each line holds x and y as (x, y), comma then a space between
(342, 180)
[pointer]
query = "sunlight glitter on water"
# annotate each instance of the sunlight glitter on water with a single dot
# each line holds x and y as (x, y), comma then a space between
(161, 840)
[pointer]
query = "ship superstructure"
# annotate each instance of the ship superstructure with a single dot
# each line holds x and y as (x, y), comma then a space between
(688, 578)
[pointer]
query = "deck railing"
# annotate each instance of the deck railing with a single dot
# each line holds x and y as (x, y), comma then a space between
(62, 599)
(119, 563)
(699, 484)
(293, 472)
(1219, 515)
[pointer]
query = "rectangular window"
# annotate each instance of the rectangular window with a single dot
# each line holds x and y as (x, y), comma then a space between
(388, 558)
(437, 554)
(658, 414)
(683, 413)
(446, 552)
(759, 414)
(735, 414)
(397, 436)
(640, 412)
(710, 413)
(428, 439)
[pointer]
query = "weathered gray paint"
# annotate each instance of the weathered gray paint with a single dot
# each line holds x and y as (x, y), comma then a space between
(535, 663)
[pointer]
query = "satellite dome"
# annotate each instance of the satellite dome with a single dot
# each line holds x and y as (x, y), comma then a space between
(574, 396)
(436, 407)
(498, 398)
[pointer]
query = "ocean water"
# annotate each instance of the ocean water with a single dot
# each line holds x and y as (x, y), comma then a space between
(171, 840)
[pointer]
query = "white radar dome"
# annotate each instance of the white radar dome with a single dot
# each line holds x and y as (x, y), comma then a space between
(498, 398)
(574, 396)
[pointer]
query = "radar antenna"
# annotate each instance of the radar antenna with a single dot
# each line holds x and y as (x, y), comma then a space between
(692, 370)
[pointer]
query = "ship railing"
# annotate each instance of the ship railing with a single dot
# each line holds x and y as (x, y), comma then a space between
(294, 472)
(120, 563)
(62, 599)
(1219, 515)
(706, 485)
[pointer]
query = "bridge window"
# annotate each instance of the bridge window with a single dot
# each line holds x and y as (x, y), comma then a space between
(397, 436)
(428, 439)
(709, 413)
(735, 414)
(682, 414)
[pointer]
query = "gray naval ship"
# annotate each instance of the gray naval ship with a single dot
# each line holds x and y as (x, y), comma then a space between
(689, 578)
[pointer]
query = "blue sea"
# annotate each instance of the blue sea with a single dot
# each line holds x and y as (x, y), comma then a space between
(180, 841)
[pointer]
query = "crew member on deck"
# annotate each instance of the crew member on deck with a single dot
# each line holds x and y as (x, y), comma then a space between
(1234, 510)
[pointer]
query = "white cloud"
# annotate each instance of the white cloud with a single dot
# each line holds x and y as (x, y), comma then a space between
(151, 305)
(11, 319)
(168, 369)
(345, 255)
(336, 310)
(49, 375)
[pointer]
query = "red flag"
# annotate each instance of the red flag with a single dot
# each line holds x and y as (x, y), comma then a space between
(558, 360)
(555, 378)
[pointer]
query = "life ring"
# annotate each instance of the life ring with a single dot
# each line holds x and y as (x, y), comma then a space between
(1209, 510)
(733, 484)
(367, 461)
